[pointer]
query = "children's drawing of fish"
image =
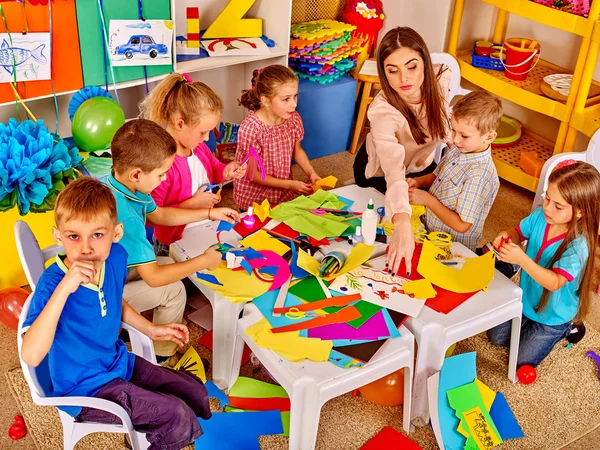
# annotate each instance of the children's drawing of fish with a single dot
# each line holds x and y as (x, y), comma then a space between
(14, 56)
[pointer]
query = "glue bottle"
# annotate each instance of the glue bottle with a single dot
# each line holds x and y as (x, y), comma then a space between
(357, 236)
(369, 223)
(249, 219)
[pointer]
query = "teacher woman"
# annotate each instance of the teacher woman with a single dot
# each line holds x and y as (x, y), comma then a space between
(408, 117)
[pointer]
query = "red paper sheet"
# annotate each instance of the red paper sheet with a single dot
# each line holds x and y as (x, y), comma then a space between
(260, 404)
(390, 439)
(243, 231)
(286, 230)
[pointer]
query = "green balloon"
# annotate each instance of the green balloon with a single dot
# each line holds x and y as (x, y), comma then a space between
(95, 123)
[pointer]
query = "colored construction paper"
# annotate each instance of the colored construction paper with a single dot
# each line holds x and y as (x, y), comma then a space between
(390, 439)
(241, 229)
(380, 288)
(225, 226)
(359, 254)
(236, 285)
(475, 274)
(480, 426)
(347, 202)
(251, 388)
(328, 182)
(343, 315)
(289, 344)
(215, 392)
(445, 301)
(344, 361)
(456, 371)
(342, 300)
(272, 259)
(265, 305)
(415, 217)
(487, 394)
(285, 418)
(286, 231)
(504, 419)
(248, 427)
(246, 266)
(191, 362)
(262, 211)
(422, 289)
(261, 240)
(260, 404)
(308, 263)
(373, 328)
(209, 278)
(318, 243)
(308, 289)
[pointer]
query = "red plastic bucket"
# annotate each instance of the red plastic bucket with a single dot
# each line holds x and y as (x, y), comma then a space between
(520, 59)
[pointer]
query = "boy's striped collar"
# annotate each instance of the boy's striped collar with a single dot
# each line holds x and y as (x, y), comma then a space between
(120, 187)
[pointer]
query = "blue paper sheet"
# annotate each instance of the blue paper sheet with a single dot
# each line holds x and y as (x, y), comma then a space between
(215, 392)
(225, 226)
(209, 278)
(237, 430)
(347, 201)
(504, 419)
(457, 371)
(344, 361)
(297, 271)
(266, 302)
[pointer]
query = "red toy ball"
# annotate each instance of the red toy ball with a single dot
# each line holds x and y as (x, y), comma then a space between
(526, 374)
(17, 429)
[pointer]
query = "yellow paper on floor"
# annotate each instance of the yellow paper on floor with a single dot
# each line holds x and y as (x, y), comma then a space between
(262, 211)
(481, 431)
(475, 274)
(487, 394)
(191, 362)
(328, 182)
(358, 255)
(261, 240)
(289, 344)
(237, 286)
(422, 289)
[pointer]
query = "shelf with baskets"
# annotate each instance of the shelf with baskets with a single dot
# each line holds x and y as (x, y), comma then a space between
(528, 93)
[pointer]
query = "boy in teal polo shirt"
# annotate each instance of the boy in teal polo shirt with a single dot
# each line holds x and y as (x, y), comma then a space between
(74, 320)
(142, 153)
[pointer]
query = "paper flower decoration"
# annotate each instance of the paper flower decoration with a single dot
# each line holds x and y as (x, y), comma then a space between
(34, 166)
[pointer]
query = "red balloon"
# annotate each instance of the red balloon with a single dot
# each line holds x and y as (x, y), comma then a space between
(387, 391)
(12, 300)
(526, 374)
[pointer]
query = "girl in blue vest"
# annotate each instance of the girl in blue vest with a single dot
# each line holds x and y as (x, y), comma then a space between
(558, 265)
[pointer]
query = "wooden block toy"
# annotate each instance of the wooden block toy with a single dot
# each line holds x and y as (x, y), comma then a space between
(230, 23)
(192, 12)
(530, 164)
(193, 44)
(192, 21)
(193, 25)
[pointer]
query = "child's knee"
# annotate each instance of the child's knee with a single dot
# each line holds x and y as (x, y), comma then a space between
(497, 337)
(182, 422)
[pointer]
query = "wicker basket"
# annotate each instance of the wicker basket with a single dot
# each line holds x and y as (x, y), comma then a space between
(307, 10)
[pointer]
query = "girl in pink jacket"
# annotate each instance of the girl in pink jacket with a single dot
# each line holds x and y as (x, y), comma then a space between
(188, 110)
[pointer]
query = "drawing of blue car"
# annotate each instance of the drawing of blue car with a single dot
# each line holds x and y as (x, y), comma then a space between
(141, 44)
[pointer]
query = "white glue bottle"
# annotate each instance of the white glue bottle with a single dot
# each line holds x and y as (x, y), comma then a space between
(369, 223)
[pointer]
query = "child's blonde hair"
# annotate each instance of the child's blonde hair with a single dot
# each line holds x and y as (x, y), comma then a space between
(85, 199)
(141, 144)
(178, 94)
(479, 109)
(265, 82)
(579, 184)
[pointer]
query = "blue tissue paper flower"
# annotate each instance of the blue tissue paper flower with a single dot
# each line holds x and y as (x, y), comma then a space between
(34, 166)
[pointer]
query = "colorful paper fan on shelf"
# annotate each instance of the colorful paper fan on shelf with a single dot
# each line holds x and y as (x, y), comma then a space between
(85, 94)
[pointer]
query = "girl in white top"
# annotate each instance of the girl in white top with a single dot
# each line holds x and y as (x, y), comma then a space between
(408, 118)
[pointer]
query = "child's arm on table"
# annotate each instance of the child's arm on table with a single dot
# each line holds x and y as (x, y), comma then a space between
(175, 332)
(548, 279)
(177, 216)
(290, 185)
(156, 275)
(39, 337)
(302, 160)
(445, 214)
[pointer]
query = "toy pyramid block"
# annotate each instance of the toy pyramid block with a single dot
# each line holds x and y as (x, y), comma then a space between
(192, 12)
(230, 23)
(193, 26)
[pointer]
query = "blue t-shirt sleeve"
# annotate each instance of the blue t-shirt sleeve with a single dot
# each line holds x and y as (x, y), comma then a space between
(43, 291)
(527, 225)
(151, 206)
(138, 248)
(573, 261)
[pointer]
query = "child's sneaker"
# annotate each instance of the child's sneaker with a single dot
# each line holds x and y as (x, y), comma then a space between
(167, 361)
(577, 333)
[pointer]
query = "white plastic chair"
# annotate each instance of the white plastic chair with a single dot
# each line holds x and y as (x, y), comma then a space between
(38, 379)
(310, 384)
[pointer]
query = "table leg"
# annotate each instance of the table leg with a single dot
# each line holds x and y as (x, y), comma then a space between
(225, 318)
(305, 413)
(515, 336)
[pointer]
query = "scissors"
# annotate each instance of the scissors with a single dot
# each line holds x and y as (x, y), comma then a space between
(438, 238)
(215, 188)
(296, 314)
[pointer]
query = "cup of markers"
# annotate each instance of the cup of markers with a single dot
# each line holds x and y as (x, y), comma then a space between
(331, 264)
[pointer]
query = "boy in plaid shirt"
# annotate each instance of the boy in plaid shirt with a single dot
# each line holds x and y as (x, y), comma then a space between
(463, 187)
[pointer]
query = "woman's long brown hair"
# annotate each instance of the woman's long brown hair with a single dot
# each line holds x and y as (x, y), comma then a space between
(431, 93)
(579, 185)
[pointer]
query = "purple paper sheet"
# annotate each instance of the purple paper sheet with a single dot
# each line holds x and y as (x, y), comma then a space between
(373, 328)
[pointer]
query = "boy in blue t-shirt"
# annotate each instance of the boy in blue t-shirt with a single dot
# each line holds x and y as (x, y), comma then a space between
(74, 320)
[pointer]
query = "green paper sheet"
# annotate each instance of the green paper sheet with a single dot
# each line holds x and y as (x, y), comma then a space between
(305, 222)
(465, 398)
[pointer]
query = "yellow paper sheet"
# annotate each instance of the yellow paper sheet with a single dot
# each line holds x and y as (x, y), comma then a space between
(262, 211)
(261, 240)
(308, 263)
(359, 255)
(290, 345)
(487, 394)
(328, 182)
(192, 362)
(475, 274)
(238, 286)
(422, 289)
(481, 431)
(415, 217)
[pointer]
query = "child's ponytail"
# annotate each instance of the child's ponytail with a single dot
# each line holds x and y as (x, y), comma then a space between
(265, 83)
(178, 94)
(250, 98)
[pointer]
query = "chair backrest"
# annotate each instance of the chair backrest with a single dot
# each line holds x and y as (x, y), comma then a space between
(32, 257)
(591, 156)
(38, 378)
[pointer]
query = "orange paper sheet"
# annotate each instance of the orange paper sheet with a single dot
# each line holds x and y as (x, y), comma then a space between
(343, 315)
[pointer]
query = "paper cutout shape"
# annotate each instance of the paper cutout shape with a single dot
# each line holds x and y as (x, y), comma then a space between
(343, 315)
(248, 427)
(261, 240)
(342, 300)
(266, 302)
(215, 392)
(504, 419)
(273, 259)
(233, 262)
(191, 362)
(469, 406)
(260, 404)
(225, 226)
(140, 42)
(236, 285)
(289, 344)
(487, 394)
(262, 211)
(422, 289)
(285, 230)
(379, 288)
(390, 439)
(209, 278)
(230, 22)
(328, 182)
(373, 329)
(475, 274)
